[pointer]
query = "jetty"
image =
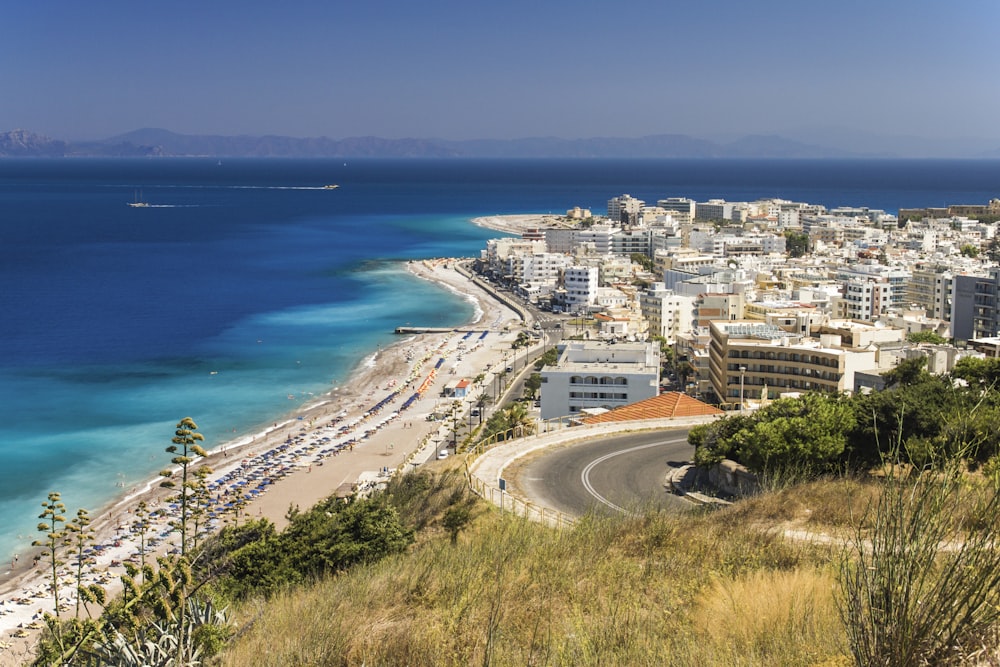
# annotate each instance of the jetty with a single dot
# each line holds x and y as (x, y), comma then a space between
(423, 330)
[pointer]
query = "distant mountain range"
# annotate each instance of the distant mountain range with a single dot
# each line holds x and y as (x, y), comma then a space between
(163, 143)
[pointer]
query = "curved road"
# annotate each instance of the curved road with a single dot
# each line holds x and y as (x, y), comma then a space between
(616, 474)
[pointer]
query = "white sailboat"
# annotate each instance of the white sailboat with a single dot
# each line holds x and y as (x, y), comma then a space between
(138, 203)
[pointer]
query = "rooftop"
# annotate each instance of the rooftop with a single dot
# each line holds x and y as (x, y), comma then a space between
(667, 405)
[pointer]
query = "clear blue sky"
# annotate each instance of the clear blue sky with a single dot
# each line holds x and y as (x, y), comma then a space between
(500, 69)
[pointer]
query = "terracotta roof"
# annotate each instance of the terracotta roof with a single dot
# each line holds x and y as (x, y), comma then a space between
(667, 405)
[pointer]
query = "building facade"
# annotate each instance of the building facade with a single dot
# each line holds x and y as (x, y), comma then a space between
(593, 374)
(749, 361)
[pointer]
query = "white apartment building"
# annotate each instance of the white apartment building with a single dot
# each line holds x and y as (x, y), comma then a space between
(593, 374)
(567, 241)
(579, 288)
(541, 270)
(728, 245)
(870, 270)
(668, 314)
(863, 299)
(687, 260)
(630, 241)
(499, 250)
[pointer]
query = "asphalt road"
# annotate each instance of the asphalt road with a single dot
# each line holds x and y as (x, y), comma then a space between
(618, 474)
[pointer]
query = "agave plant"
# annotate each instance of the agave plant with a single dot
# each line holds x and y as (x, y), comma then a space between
(157, 645)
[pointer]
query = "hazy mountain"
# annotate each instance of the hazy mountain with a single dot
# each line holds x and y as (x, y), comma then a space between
(159, 142)
(896, 145)
(21, 143)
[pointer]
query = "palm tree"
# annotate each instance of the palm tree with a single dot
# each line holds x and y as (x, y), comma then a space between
(481, 403)
(519, 421)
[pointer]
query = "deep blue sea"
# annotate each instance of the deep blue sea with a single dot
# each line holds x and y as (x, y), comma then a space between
(245, 282)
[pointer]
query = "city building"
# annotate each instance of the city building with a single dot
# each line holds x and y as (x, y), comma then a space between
(750, 361)
(595, 374)
(668, 314)
(624, 209)
(579, 289)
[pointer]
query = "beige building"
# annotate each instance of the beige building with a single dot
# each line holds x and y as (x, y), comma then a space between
(750, 361)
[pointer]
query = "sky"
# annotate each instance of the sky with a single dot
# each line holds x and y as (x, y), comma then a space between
(501, 70)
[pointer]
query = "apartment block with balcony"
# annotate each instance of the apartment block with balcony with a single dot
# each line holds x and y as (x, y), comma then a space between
(578, 289)
(668, 314)
(976, 310)
(750, 360)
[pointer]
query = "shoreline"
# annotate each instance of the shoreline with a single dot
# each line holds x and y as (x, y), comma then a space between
(341, 438)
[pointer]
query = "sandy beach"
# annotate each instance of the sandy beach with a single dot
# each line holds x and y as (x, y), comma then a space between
(516, 224)
(379, 423)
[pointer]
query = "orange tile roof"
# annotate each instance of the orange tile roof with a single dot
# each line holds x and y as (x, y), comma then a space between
(667, 405)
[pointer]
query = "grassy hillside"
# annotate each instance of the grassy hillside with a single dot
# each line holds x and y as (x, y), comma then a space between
(702, 589)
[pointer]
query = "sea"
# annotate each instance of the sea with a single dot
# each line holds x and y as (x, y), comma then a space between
(246, 289)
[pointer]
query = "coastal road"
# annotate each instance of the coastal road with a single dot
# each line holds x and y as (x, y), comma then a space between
(616, 474)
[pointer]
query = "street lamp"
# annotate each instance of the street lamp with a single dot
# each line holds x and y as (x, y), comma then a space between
(743, 372)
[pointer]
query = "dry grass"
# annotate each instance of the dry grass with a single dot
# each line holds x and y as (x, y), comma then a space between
(827, 504)
(768, 617)
(653, 590)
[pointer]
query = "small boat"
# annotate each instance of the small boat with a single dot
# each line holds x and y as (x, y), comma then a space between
(138, 203)
(333, 186)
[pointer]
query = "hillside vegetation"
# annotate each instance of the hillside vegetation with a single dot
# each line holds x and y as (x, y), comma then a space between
(653, 589)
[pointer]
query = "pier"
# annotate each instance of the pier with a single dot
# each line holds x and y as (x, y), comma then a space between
(422, 330)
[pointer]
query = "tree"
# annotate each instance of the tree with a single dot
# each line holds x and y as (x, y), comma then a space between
(185, 443)
(549, 358)
(643, 260)
(804, 434)
(201, 500)
(519, 421)
(796, 243)
(807, 434)
(906, 372)
(454, 520)
(926, 337)
(481, 403)
(969, 250)
(79, 536)
(993, 249)
(978, 372)
(684, 371)
(184, 447)
(140, 527)
(53, 527)
(532, 385)
(666, 350)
